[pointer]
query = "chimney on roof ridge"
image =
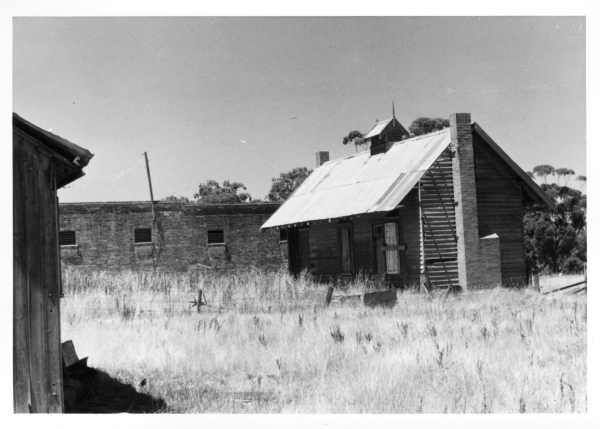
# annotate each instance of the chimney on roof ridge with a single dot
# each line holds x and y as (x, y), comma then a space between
(322, 157)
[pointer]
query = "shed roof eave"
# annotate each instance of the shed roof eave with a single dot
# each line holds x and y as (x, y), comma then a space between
(77, 155)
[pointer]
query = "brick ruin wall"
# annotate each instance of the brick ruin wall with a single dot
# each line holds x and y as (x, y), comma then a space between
(104, 236)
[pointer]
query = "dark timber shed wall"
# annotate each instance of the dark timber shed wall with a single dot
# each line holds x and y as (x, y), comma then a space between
(500, 207)
(37, 364)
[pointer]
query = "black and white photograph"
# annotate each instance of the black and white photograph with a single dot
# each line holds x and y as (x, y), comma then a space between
(299, 214)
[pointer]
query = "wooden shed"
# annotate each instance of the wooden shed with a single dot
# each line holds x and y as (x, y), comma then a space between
(441, 210)
(42, 163)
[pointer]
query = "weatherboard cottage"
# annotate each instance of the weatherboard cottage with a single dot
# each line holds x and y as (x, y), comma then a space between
(440, 210)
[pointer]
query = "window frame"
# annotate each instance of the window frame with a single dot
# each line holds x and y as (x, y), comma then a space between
(386, 249)
(215, 243)
(135, 235)
(284, 232)
(392, 248)
(74, 243)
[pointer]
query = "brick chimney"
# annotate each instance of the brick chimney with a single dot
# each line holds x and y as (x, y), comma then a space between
(465, 195)
(322, 157)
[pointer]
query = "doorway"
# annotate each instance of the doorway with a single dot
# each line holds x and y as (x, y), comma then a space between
(299, 250)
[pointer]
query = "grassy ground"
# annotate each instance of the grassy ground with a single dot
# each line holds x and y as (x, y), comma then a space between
(265, 343)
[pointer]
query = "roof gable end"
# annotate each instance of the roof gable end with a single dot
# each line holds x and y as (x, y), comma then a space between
(531, 187)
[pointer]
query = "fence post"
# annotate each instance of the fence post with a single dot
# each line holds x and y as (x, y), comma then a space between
(199, 300)
(535, 281)
(329, 295)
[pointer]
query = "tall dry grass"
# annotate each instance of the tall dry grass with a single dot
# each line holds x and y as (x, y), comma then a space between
(266, 343)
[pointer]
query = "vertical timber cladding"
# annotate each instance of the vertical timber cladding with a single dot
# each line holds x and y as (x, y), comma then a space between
(439, 223)
(324, 255)
(37, 366)
(325, 258)
(409, 224)
(105, 236)
(500, 209)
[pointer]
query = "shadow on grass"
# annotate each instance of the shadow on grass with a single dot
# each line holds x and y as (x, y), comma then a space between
(89, 390)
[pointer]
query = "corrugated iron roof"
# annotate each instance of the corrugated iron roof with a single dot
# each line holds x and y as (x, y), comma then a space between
(378, 128)
(74, 153)
(361, 183)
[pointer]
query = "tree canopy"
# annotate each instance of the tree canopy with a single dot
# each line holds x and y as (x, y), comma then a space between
(283, 186)
(543, 171)
(555, 240)
(353, 137)
(425, 125)
(212, 192)
(564, 173)
(176, 199)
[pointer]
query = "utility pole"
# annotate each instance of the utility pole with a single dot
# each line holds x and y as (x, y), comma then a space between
(154, 222)
(149, 178)
(150, 186)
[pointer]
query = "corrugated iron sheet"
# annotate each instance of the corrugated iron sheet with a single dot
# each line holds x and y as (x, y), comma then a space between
(361, 183)
(377, 128)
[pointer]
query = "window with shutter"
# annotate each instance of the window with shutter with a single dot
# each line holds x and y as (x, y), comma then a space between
(392, 253)
(66, 238)
(387, 248)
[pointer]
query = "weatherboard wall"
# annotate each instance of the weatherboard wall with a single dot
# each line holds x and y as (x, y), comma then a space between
(439, 223)
(500, 207)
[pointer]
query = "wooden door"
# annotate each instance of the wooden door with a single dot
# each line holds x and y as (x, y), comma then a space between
(345, 241)
(379, 241)
(298, 250)
(303, 249)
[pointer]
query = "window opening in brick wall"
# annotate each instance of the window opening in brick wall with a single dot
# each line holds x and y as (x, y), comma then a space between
(66, 238)
(216, 236)
(283, 235)
(142, 235)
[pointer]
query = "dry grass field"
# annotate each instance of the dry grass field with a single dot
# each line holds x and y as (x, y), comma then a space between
(266, 343)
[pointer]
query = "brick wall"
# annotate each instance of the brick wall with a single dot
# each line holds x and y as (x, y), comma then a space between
(480, 260)
(467, 229)
(105, 236)
(488, 273)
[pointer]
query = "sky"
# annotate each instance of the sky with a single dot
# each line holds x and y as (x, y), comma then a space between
(246, 99)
